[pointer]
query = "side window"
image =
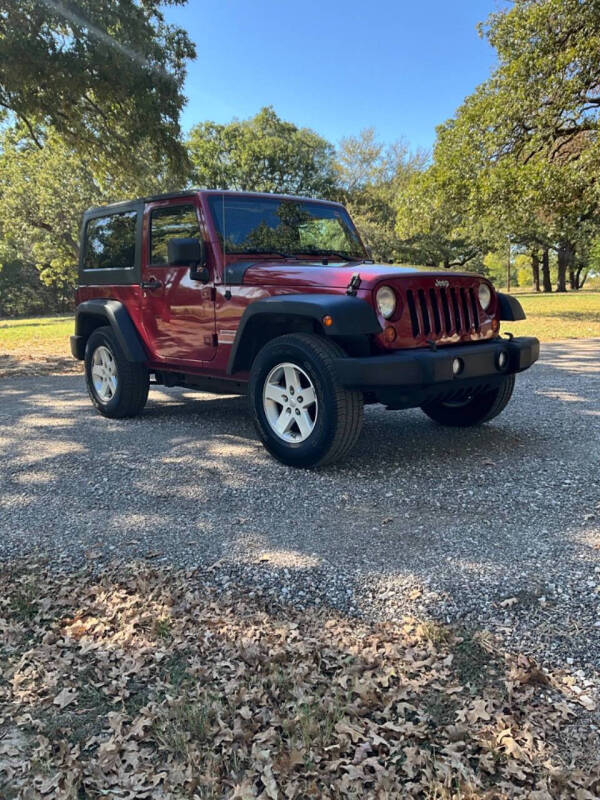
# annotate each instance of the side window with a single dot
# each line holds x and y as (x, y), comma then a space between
(110, 241)
(171, 222)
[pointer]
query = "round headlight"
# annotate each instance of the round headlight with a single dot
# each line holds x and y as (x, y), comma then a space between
(485, 296)
(386, 301)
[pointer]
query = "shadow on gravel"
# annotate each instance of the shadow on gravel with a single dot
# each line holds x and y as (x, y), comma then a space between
(494, 526)
(574, 356)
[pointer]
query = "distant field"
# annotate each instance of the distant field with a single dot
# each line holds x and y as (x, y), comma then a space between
(549, 317)
(36, 336)
(559, 316)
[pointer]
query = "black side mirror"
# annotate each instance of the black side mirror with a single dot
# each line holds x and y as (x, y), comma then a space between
(191, 253)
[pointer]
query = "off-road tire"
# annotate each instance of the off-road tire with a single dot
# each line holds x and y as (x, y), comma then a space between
(133, 380)
(481, 408)
(340, 411)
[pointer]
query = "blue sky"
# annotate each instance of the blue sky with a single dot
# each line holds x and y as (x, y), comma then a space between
(336, 67)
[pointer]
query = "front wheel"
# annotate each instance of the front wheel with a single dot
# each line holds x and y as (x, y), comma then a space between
(303, 416)
(479, 408)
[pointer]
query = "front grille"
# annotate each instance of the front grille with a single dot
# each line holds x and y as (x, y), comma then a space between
(443, 312)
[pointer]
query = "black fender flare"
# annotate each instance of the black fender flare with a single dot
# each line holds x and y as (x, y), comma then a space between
(351, 316)
(113, 313)
(510, 308)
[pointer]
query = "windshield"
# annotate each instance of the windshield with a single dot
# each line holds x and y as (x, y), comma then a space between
(285, 227)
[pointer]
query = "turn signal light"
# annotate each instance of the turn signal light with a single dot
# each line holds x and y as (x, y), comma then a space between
(389, 334)
(495, 325)
(327, 321)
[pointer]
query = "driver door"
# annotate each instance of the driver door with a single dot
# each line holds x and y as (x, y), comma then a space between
(178, 313)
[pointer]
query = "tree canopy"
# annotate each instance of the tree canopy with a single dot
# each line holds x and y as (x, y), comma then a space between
(104, 74)
(518, 161)
(44, 189)
(371, 176)
(264, 154)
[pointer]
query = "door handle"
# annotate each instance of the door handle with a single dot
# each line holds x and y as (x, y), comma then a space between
(154, 283)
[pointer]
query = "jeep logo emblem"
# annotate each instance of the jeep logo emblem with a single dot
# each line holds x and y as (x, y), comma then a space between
(442, 284)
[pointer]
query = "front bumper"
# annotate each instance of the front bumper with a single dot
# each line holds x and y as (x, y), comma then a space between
(424, 369)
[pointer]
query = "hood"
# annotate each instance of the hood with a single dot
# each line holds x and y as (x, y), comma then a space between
(335, 275)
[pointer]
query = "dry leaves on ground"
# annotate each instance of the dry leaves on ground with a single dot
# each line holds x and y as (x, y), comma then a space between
(142, 683)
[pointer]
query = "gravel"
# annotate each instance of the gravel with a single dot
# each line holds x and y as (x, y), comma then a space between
(495, 528)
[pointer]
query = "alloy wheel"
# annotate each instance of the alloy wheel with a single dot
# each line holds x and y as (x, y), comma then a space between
(290, 403)
(104, 374)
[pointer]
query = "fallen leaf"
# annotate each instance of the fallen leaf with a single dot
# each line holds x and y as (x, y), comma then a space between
(65, 697)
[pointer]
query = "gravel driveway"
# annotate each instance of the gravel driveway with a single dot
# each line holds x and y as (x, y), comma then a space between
(496, 527)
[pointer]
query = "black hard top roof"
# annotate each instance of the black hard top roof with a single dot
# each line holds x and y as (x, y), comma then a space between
(125, 204)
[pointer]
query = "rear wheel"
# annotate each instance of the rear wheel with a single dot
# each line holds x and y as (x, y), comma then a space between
(474, 410)
(303, 416)
(117, 387)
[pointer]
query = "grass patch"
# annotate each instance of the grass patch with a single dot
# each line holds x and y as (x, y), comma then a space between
(472, 661)
(434, 632)
(439, 707)
(48, 336)
(574, 315)
(23, 601)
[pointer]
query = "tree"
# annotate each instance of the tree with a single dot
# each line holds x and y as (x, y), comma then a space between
(431, 225)
(519, 160)
(21, 291)
(44, 189)
(264, 154)
(546, 90)
(548, 73)
(523, 269)
(106, 75)
(371, 176)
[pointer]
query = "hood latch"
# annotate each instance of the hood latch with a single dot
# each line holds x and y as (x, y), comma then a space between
(354, 285)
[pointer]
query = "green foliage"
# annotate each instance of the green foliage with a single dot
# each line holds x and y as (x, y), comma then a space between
(44, 189)
(21, 291)
(106, 75)
(431, 224)
(594, 256)
(495, 267)
(263, 154)
(522, 268)
(519, 159)
(548, 74)
(370, 177)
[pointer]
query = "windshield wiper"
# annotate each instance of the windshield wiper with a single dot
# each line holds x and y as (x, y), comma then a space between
(334, 254)
(266, 253)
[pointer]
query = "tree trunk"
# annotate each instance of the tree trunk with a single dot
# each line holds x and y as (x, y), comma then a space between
(565, 260)
(547, 283)
(572, 280)
(578, 279)
(535, 269)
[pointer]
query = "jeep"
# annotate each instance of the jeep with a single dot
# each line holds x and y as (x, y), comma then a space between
(276, 296)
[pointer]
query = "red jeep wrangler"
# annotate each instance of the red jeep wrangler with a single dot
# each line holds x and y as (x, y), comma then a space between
(276, 296)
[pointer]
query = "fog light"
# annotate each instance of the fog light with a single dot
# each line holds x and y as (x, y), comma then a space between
(457, 366)
(502, 359)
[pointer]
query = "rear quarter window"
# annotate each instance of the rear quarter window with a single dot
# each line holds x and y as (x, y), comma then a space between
(110, 241)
